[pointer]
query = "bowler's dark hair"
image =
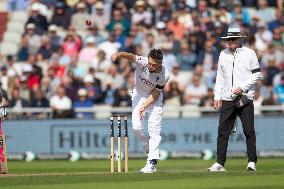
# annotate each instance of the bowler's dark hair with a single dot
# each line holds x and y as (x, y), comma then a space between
(156, 54)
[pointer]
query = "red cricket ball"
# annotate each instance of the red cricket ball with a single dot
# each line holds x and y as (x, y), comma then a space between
(89, 22)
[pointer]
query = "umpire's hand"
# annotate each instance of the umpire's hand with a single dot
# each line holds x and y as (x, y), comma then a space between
(217, 104)
(238, 91)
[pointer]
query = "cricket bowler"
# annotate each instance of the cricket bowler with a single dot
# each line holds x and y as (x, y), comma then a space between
(147, 99)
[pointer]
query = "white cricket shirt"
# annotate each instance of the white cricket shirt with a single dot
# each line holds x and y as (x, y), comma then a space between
(145, 82)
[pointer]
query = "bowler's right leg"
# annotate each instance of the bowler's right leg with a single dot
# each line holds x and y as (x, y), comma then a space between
(137, 124)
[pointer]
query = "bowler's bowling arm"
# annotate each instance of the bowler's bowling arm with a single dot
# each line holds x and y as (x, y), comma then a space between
(129, 56)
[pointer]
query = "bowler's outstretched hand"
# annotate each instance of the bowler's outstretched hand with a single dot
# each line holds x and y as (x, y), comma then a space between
(114, 57)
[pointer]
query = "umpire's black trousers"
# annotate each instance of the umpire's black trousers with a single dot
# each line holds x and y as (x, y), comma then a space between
(226, 122)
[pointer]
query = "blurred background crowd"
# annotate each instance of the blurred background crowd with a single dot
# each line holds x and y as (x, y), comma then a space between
(51, 58)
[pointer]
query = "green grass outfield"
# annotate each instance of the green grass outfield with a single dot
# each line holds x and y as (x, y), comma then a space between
(177, 174)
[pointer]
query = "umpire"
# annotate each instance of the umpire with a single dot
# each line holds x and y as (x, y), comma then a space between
(237, 75)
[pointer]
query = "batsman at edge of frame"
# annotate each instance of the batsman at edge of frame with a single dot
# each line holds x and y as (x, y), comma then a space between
(3, 150)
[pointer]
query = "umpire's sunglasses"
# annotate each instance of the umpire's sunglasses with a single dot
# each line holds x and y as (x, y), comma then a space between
(232, 39)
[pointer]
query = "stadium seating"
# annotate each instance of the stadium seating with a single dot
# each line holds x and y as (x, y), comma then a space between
(13, 37)
(8, 48)
(15, 27)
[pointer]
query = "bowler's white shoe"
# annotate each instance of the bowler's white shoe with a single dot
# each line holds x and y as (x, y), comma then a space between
(149, 168)
(216, 167)
(251, 166)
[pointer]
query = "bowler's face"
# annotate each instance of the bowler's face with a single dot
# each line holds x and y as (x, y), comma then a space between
(153, 65)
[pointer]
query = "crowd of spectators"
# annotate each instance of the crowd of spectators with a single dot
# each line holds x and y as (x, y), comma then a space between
(65, 64)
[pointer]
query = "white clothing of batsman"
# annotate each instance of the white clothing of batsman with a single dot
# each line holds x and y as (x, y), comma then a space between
(147, 98)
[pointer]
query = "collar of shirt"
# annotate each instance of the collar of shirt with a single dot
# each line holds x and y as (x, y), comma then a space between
(238, 50)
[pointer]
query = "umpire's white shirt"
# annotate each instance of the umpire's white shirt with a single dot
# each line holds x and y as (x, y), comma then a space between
(239, 69)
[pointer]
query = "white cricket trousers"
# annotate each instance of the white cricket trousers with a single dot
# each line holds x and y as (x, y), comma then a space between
(154, 113)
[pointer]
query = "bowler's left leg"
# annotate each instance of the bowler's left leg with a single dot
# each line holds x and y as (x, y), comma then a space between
(154, 130)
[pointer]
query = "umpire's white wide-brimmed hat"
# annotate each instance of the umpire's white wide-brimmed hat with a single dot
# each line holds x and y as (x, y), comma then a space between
(233, 33)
